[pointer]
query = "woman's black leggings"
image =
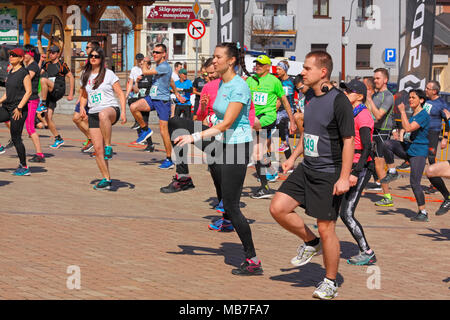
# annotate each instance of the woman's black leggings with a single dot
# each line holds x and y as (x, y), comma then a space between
(394, 147)
(348, 208)
(228, 168)
(16, 129)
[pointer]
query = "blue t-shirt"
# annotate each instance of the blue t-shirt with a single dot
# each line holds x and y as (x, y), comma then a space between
(435, 109)
(186, 91)
(289, 91)
(235, 90)
(160, 89)
(417, 141)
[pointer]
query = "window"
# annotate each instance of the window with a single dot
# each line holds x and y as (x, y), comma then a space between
(179, 44)
(363, 56)
(275, 10)
(365, 10)
(320, 9)
(319, 46)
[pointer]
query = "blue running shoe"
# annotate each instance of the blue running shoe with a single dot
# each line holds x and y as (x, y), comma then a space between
(57, 144)
(221, 225)
(219, 208)
(104, 184)
(41, 108)
(108, 152)
(167, 164)
(21, 171)
(144, 135)
(272, 177)
(2, 149)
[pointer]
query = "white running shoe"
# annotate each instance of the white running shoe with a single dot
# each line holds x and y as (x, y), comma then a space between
(326, 290)
(305, 254)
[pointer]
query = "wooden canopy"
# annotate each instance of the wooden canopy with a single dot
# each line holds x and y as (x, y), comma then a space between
(91, 9)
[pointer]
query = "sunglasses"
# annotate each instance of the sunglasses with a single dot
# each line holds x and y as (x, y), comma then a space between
(12, 54)
(205, 74)
(95, 56)
(158, 52)
(349, 91)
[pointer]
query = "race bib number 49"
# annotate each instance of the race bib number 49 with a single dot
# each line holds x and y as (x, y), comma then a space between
(260, 98)
(310, 143)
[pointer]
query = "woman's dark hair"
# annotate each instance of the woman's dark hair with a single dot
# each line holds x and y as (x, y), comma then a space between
(88, 69)
(238, 52)
(421, 94)
(30, 47)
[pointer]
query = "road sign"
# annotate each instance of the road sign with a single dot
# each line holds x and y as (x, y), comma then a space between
(390, 57)
(196, 29)
(196, 8)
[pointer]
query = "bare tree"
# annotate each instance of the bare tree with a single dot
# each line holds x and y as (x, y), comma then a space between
(261, 30)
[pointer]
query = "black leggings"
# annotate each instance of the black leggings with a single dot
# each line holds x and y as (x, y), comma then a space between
(392, 147)
(348, 207)
(437, 182)
(228, 174)
(16, 129)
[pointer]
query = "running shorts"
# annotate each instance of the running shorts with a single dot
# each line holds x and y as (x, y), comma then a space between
(94, 121)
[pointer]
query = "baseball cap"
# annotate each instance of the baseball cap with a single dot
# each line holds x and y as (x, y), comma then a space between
(139, 56)
(263, 59)
(355, 86)
(19, 52)
(182, 71)
(54, 48)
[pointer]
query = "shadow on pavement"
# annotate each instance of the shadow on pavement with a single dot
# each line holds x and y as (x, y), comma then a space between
(4, 183)
(116, 184)
(442, 235)
(232, 252)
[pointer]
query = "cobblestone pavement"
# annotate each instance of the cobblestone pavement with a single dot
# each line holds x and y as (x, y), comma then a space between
(137, 243)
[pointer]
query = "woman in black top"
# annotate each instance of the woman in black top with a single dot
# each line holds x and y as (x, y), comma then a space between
(14, 105)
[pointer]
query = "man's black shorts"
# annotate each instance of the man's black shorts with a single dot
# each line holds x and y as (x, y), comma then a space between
(379, 138)
(58, 92)
(314, 191)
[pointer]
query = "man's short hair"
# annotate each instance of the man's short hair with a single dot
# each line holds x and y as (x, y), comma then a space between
(383, 71)
(95, 43)
(436, 85)
(178, 64)
(298, 79)
(208, 62)
(161, 45)
(323, 60)
(371, 82)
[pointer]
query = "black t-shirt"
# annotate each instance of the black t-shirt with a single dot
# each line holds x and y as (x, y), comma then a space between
(35, 81)
(328, 119)
(198, 84)
(15, 90)
(57, 70)
(145, 85)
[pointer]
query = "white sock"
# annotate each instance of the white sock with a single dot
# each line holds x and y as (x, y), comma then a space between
(392, 170)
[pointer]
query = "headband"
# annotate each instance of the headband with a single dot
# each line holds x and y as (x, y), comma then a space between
(283, 66)
(31, 53)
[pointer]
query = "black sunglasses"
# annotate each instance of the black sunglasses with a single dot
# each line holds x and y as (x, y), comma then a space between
(12, 54)
(158, 52)
(95, 56)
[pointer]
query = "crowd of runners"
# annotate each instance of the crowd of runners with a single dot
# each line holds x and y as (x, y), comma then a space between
(347, 135)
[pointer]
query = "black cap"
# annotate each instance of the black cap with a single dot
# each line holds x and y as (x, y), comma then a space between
(140, 56)
(54, 48)
(355, 86)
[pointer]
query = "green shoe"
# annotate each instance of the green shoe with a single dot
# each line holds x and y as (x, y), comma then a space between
(363, 259)
(104, 184)
(385, 202)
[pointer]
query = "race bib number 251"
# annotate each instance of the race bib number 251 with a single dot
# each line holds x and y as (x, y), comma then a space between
(310, 143)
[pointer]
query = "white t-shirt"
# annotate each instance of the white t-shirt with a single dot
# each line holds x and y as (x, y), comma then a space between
(103, 96)
(135, 73)
(175, 76)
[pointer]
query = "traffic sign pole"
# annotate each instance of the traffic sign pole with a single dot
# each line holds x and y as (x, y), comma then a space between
(196, 30)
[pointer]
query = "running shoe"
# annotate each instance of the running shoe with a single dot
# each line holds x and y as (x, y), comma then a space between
(420, 217)
(250, 164)
(443, 209)
(150, 148)
(305, 254)
(385, 202)
(263, 193)
(326, 290)
(181, 184)
(219, 208)
(167, 164)
(57, 144)
(21, 171)
(144, 135)
(272, 177)
(37, 158)
(430, 190)
(2, 149)
(390, 177)
(87, 146)
(41, 108)
(374, 187)
(135, 126)
(363, 259)
(104, 184)
(248, 268)
(92, 155)
(9, 145)
(404, 166)
(108, 153)
(283, 147)
(221, 225)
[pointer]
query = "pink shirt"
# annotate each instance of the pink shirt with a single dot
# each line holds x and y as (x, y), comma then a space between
(363, 119)
(211, 89)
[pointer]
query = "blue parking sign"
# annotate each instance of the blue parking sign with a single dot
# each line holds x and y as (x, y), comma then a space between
(390, 55)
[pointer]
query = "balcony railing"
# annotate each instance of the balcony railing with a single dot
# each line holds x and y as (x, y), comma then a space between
(274, 23)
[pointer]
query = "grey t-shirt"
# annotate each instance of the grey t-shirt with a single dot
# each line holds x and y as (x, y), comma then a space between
(384, 100)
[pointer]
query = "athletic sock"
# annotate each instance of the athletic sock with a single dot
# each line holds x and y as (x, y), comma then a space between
(388, 196)
(255, 259)
(313, 243)
(180, 175)
(332, 280)
(145, 128)
(40, 155)
(392, 170)
(424, 212)
(58, 137)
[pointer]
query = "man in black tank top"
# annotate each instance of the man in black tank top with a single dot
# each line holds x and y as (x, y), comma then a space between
(317, 184)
